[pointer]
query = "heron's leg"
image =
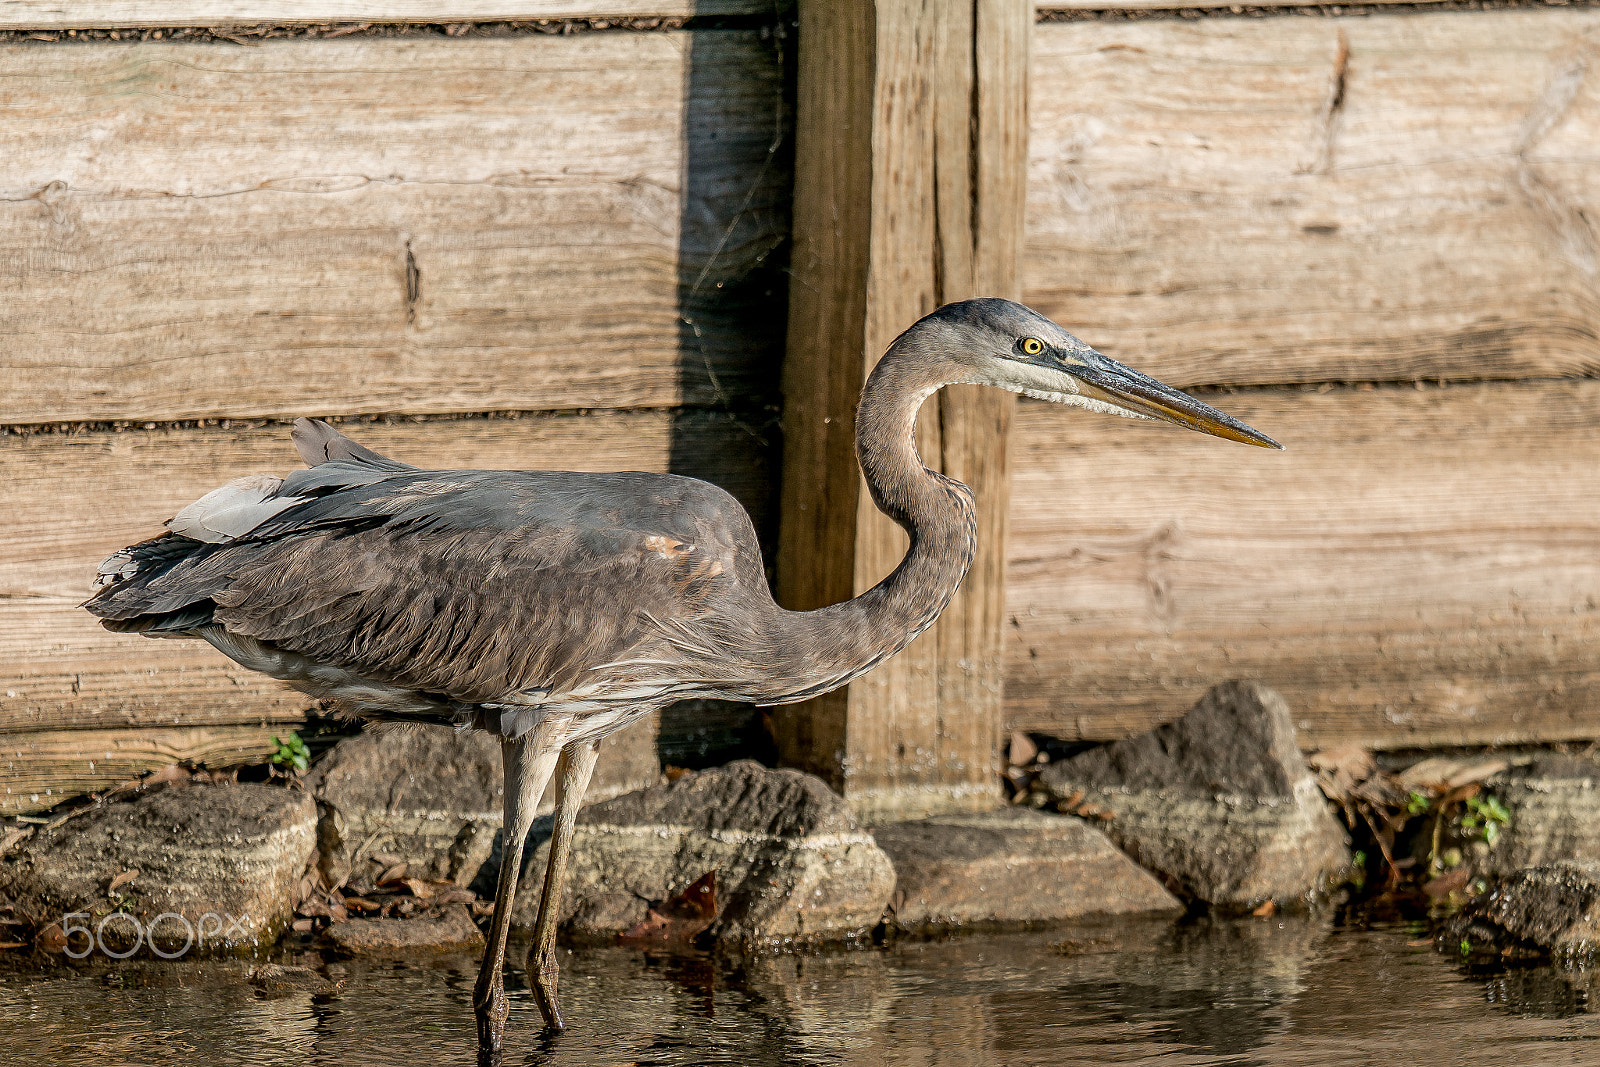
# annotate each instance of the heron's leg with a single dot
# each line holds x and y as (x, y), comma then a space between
(528, 764)
(577, 764)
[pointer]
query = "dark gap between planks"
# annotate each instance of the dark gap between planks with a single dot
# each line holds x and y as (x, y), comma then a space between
(1358, 10)
(246, 35)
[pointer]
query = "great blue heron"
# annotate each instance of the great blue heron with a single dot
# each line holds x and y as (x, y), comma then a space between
(553, 608)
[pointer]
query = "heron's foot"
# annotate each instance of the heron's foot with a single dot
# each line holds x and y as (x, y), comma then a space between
(544, 975)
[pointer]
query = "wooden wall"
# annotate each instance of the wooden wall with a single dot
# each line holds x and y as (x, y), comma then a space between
(1378, 232)
(1368, 234)
(198, 237)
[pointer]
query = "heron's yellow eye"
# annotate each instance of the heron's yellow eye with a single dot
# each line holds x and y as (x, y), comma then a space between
(1032, 346)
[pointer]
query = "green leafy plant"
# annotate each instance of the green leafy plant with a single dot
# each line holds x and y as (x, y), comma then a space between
(1356, 875)
(1485, 815)
(1417, 803)
(291, 753)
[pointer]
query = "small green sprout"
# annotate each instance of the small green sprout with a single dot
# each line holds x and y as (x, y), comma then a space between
(1466, 947)
(1417, 802)
(1485, 815)
(1356, 874)
(292, 753)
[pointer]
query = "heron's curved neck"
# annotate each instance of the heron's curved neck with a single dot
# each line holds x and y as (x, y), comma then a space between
(848, 639)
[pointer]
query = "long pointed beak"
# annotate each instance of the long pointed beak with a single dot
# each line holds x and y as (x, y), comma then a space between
(1108, 381)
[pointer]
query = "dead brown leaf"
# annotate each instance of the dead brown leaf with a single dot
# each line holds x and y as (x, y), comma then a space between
(1460, 793)
(1341, 769)
(394, 874)
(172, 772)
(52, 938)
(1448, 882)
(1432, 774)
(1093, 811)
(680, 918)
(122, 879)
(1477, 772)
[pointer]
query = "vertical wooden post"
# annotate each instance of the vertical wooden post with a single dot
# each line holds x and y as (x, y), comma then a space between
(911, 156)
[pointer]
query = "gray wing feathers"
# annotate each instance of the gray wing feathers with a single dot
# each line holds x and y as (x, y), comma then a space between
(233, 510)
(474, 614)
(318, 443)
(481, 586)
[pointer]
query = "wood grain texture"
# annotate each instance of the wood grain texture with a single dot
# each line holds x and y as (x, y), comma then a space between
(1047, 7)
(370, 225)
(825, 360)
(80, 14)
(70, 500)
(1388, 198)
(41, 769)
(980, 247)
(910, 139)
(1419, 568)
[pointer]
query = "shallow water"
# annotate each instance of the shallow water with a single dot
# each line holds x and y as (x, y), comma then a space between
(1278, 993)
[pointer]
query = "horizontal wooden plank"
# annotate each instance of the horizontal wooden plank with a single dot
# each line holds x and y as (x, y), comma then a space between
(1046, 8)
(39, 770)
(1259, 201)
(370, 225)
(79, 14)
(1419, 568)
(71, 500)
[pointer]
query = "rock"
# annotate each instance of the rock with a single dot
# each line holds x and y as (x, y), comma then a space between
(1552, 910)
(790, 862)
(1219, 803)
(1011, 865)
(427, 794)
(1553, 992)
(448, 930)
(432, 797)
(1554, 808)
(218, 862)
(275, 980)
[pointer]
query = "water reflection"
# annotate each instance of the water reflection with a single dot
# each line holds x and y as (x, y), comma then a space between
(1280, 992)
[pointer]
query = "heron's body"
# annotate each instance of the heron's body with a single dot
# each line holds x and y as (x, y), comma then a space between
(503, 599)
(552, 608)
(482, 598)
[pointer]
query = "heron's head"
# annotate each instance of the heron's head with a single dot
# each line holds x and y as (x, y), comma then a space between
(1001, 343)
